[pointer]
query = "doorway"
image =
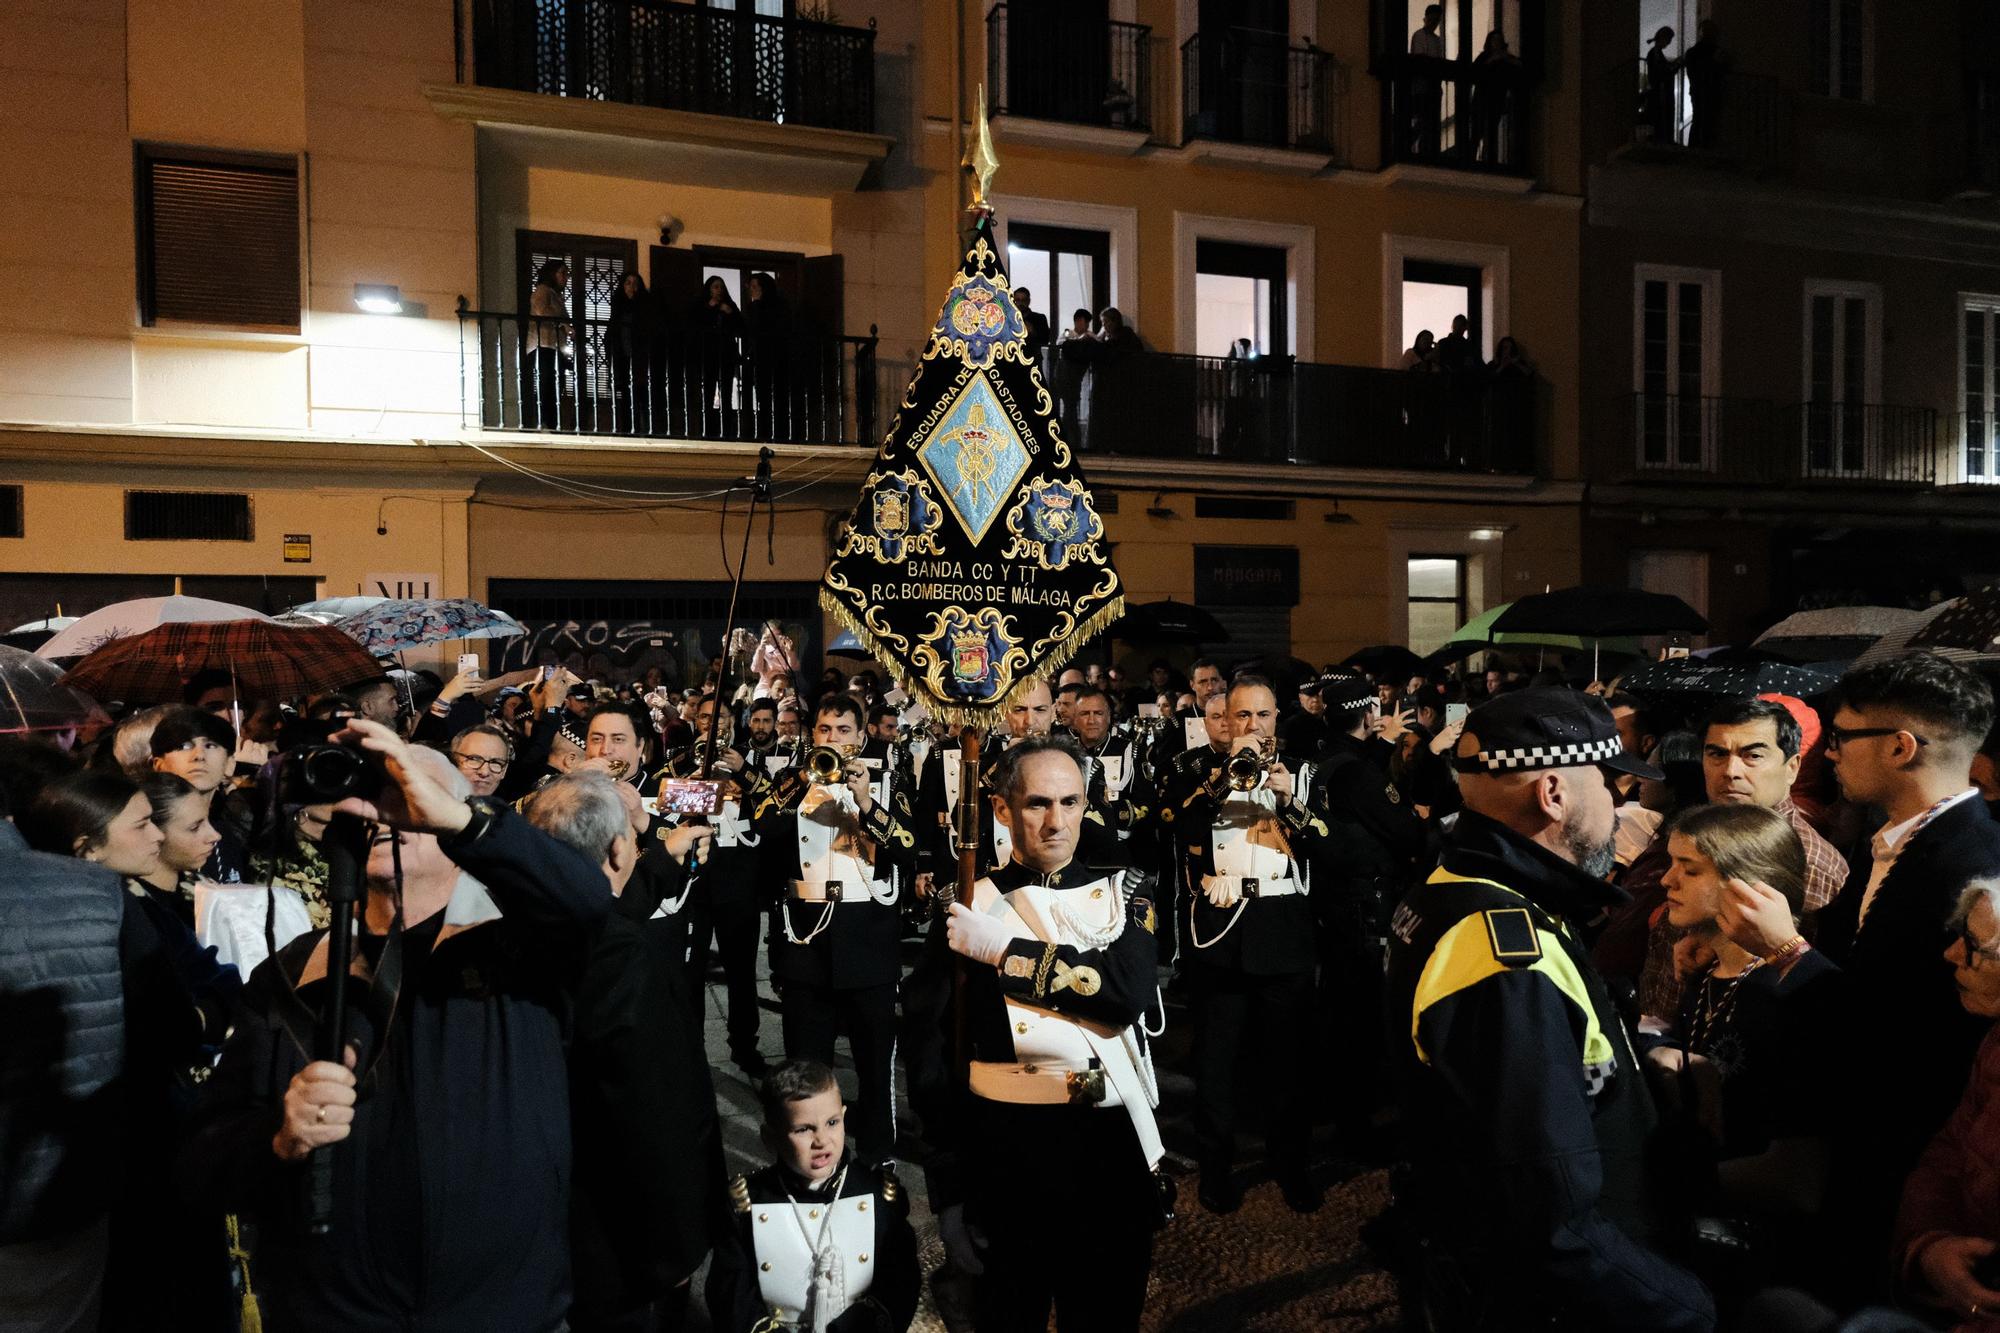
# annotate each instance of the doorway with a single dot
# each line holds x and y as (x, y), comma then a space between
(1239, 297)
(1435, 294)
(1065, 269)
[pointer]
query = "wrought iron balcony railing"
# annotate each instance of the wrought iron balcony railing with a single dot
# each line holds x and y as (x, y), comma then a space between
(1451, 113)
(1276, 410)
(1747, 441)
(1051, 63)
(681, 57)
(1718, 114)
(1243, 85)
(588, 377)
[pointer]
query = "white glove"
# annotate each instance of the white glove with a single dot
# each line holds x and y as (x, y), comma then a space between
(961, 1243)
(977, 935)
(1222, 893)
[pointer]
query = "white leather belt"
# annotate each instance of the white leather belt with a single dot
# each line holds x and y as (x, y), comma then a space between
(1040, 1085)
(821, 890)
(1251, 886)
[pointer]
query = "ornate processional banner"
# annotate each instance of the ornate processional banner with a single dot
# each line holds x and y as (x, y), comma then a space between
(975, 561)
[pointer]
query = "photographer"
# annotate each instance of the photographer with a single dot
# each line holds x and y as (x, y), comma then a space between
(449, 1117)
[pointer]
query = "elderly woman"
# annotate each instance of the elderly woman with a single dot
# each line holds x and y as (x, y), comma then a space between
(1950, 1218)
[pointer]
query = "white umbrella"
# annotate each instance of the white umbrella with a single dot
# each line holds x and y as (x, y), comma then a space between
(1835, 633)
(49, 626)
(122, 619)
(329, 609)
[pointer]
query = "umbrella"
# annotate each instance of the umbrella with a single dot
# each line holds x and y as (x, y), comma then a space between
(397, 623)
(1387, 661)
(1478, 635)
(266, 659)
(329, 609)
(121, 619)
(1599, 612)
(1970, 624)
(1834, 633)
(33, 697)
(1170, 621)
(1899, 643)
(36, 632)
(1737, 679)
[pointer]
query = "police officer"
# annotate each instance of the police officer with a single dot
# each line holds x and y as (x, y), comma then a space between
(725, 881)
(1060, 1151)
(837, 858)
(1245, 836)
(1527, 1109)
(1376, 842)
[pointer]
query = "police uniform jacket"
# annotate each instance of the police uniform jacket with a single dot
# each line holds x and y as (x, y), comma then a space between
(1262, 935)
(1529, 1112)
(761, 1269)
(859, 943)
(1375, 838)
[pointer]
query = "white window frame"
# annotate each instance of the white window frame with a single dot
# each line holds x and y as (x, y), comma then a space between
(1988, 304)
(1494, 296)
(1870, 295)
(1675, 276)
(1483, 547)
(1301, 273)
(1121, 224)
(1832, 73)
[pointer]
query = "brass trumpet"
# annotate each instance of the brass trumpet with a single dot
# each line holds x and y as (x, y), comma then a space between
(1247, 768)
(826, 765)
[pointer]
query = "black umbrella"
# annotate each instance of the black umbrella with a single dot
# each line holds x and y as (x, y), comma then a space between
(1597, 611)
(1736, 679)
(1170, 621)
(1970, 623)
(1387, 661)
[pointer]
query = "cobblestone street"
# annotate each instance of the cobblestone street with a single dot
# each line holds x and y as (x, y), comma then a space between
(1260, 1270)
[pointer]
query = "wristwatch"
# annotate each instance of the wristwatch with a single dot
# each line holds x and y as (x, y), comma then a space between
(484, 811)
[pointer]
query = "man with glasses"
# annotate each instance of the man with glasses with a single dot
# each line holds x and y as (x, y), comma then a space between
(1902, 741)
(482, 753)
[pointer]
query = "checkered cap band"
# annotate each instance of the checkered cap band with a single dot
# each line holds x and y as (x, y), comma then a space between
(1551, 756)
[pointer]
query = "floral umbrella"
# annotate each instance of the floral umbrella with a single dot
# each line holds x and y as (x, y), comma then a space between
(400, 623)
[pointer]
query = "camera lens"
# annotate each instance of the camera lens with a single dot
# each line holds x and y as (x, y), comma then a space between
(330, 772)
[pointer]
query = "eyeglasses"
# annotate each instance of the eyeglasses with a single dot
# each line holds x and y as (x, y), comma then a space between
(477, 764)
(1839, 736)
(1975, 953)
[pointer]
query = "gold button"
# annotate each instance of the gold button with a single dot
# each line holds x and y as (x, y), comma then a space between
(813, 1213)
(863, 1258)
(766, 1267)
(861, 1207)
(1097, 893)
(763, 1217)
(1020, 1027)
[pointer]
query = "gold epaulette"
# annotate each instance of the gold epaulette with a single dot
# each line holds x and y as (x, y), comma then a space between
(892, 1188)
(739, 1193)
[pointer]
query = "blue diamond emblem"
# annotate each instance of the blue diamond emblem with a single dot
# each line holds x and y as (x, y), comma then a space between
(976, 457)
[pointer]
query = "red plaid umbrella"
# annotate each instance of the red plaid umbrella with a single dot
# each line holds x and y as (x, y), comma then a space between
(267, 659)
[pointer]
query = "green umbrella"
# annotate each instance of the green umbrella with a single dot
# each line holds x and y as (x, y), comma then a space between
(1476, 635)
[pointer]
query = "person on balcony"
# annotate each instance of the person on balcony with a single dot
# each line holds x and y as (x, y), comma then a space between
(629, 341)
(1071, 365)
(1494, 77)
(767, 371)
(1705, 64)
(717, 325)
(542, 346)
(1656, 105)
(1036, 322)
(1426, 92)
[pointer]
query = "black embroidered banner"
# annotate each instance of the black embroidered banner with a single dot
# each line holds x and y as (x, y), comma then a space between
(974, 562)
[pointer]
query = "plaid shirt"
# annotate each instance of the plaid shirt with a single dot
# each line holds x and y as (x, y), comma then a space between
(1826, 875)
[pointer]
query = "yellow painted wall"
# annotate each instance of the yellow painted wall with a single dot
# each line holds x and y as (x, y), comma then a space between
(217, 73)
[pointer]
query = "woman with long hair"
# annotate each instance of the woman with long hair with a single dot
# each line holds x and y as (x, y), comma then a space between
(628, 341)
(542, 343)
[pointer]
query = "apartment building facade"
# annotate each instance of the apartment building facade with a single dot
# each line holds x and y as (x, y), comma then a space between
(274, 334)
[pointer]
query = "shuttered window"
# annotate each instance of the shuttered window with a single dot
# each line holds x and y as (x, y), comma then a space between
(10, 511)
(202, 516)
(218, 239)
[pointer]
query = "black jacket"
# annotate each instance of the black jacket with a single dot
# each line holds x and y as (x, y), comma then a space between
(735, 1302)
(648, 1150)
(1906, 1028)
(1528, 1113)
(451, 1196)
(64, 1016)
(1259, 936)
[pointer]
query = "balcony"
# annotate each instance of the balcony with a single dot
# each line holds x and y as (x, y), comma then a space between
(1723, 118)
(1253, 90)
(668, 91)
(679, 57)
(1981, 170)
(1045, 63)
(1457, 115)
(582, 377)
(1273, 410)
(1753, 442)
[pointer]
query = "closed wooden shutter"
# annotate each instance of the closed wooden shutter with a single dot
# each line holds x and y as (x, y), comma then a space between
(219, 242)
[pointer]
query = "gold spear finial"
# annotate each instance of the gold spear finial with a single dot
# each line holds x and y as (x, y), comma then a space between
(980, 158)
